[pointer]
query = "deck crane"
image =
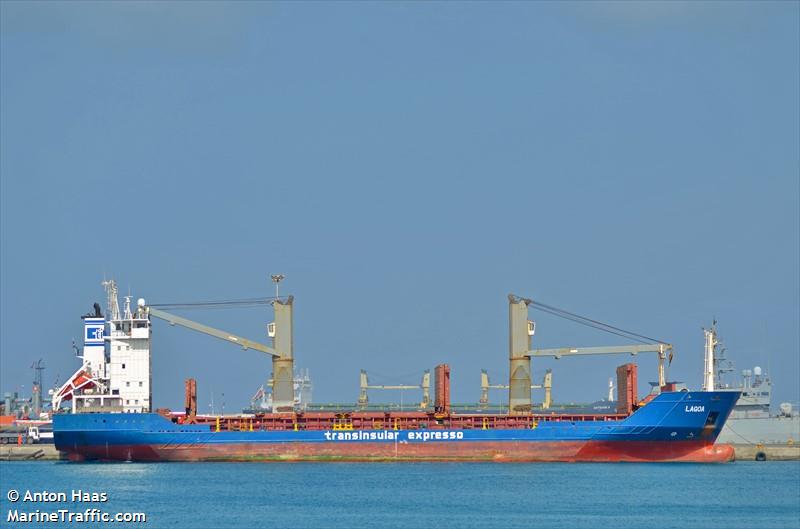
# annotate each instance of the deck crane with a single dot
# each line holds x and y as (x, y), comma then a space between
(547, 385)
(521, 331)
(425, 386)
(281, 351)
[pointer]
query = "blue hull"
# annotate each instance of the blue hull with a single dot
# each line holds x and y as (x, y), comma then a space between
(672, 427)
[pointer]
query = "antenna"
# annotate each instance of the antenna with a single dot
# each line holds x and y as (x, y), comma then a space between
(128, 315)
(277, 278)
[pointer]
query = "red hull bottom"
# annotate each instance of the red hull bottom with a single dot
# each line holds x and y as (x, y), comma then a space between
(549, 451)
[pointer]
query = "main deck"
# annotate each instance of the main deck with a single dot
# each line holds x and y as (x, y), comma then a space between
(356, 420)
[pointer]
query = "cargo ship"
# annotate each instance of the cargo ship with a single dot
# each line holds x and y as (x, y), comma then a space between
(674, 426)
(110, 419)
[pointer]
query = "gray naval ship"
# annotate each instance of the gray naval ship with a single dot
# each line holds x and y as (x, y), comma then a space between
(752, 420)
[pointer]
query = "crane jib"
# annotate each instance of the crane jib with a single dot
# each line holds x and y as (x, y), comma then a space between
(211, 331)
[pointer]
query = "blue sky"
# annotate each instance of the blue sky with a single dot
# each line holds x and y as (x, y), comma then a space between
(406, 166)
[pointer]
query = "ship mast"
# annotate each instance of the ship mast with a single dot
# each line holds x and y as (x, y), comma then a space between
(112, 303)
(711, 344)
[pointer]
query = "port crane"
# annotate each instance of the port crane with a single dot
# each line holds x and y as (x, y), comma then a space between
(281, 350)
(547, 385)
(522, 330)
(425, 386)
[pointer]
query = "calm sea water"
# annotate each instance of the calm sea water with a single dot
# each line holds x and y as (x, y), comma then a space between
(209, 495)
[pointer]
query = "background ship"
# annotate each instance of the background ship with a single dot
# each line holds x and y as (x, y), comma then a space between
(752, 420)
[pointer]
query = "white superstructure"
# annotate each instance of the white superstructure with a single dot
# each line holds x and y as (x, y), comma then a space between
(115, 374)
(129, 358)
